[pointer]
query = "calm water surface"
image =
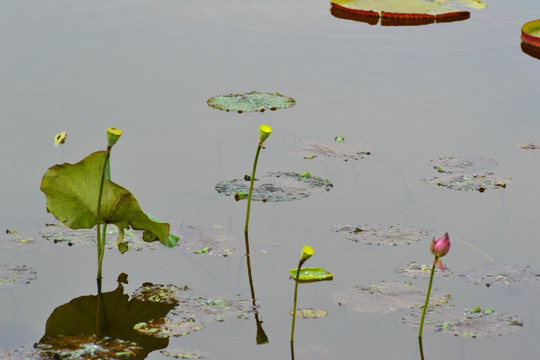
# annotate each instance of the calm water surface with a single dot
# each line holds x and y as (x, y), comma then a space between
(412, 93)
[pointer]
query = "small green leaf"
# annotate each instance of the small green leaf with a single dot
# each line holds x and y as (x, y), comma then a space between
(310, 274)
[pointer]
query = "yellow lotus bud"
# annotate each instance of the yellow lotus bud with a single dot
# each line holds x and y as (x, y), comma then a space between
(113, 134)
(60, 139)
(307, 252)
(264, 132)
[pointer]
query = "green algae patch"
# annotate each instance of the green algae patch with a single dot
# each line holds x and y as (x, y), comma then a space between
(464, 322)
(385, 297)
(387, 235)
(311, 274)
(276, 186)
(406, 9)
(251, 102)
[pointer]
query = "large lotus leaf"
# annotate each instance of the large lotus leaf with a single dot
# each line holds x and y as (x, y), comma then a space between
(502, 276)
(404, 8)
(336, 150)
(386, 297)
(72, 195)
(392, 235)
(311, 274)
(251, 102)
(14, 275)
(275, 186)
(466, 322)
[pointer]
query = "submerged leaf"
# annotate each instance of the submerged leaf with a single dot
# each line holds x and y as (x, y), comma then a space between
(393, 235)
(276, 186)
(72, 192)
(417, 270)
(310, 313)
(463, 322)
(184, 354)
(502, 276)
(311, 274)
(385, 297)
(336, 150)
(251, 102)
(15, 275)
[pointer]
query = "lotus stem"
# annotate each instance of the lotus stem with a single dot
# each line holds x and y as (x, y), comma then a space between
(295, 298)
(251, 186)
(100, 239)
(427, 299)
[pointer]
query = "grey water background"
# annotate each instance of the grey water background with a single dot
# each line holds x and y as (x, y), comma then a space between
(412, 93)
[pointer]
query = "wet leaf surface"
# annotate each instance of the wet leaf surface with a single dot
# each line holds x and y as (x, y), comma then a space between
(502, 276)
(418, 270)
(15, 275)
(464, 322)
(251, 102)
(385, 297)
(332, 150)
(466, 174)
(392, 235)
(310, 313)
(275, 186)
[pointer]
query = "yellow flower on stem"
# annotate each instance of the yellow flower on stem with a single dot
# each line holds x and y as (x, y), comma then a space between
(264, 133)
(113, 134)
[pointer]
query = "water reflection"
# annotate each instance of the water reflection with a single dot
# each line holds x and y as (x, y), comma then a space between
(388, 21)
(261, 337)
(530, 50)
(102, 325)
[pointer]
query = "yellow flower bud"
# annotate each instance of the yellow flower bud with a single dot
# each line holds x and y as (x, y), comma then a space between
(113, 134)
(307, 252)
(60, 139)
(264, 132)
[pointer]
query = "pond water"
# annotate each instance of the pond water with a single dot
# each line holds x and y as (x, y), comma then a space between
(413, 94)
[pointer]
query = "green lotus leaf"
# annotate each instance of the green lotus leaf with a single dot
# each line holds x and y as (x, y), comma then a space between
(405, 8)
(251, 102)
(72, 194)
(311, 274)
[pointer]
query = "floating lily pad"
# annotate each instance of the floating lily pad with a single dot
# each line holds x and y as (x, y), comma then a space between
(310, 313)
(276, 186)
(184, 354)
(466, 322)
(165, 294)
(89, 347)
(385, 297)
(417, 270)
(392, 235)
(335, 150)
(502, 276)
(11, 239)
(168, 327)
(406, 9)
(15, 275)
(251, 102)
(466, 174)
(530, 33)
(311, 274)
(528, 146)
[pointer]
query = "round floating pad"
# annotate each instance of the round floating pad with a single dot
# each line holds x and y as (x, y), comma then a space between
(530, 32)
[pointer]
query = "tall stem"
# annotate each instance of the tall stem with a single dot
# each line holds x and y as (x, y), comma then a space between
(427, 299)
(295, 298)
(100, 241)
(251, 187)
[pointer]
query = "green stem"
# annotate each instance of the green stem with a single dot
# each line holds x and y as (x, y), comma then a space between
(251, 187)
(427, 299)
(100, 241)
(295, 297)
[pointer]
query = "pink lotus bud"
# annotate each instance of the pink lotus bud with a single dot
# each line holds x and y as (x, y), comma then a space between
(440, 247)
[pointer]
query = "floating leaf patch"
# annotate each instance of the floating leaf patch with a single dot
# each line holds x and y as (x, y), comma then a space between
(466, 173)
(15, 275)
(184, 354)
(311, 274)
(392, 235)
(528, 146)
(334, 150)
(417, 270)
(168, 327)
(405, 9)
(251, 102)
(385, 297)
(276, 186)
(464, 322)
(502, 276)
(89, 347)
(310, 313)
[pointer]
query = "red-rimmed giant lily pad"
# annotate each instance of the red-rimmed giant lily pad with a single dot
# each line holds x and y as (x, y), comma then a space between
(406, 9)
(530, 32)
